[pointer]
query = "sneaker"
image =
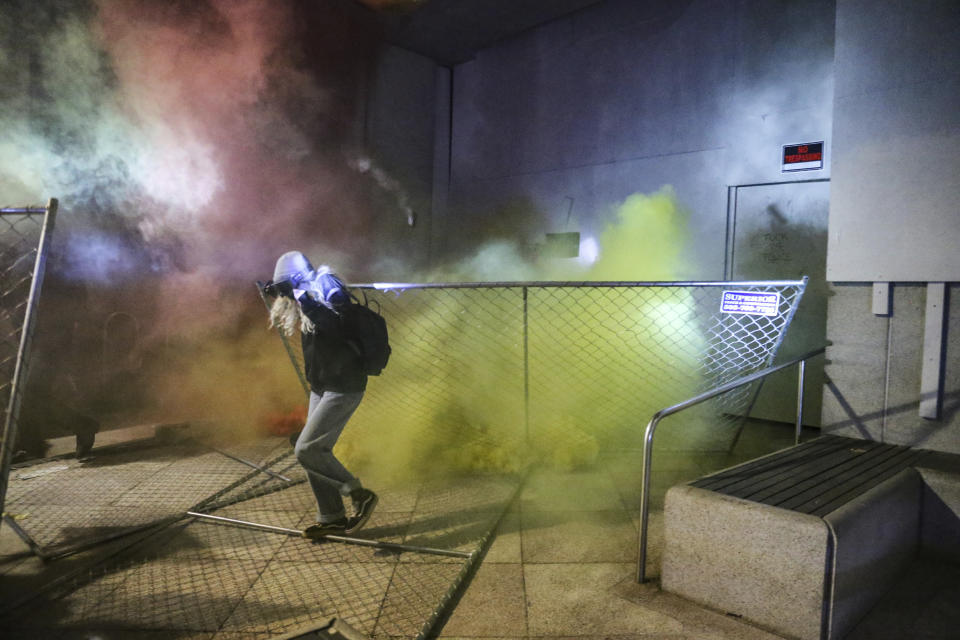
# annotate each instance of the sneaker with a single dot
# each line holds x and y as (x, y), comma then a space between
(364, 501)
(323, 529)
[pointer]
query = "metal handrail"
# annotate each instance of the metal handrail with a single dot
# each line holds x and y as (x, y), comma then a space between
(706, 395)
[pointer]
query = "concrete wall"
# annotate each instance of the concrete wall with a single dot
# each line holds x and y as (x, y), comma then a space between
(623, 97)
(874, 367)
(895, 203)
(553, 129)
(400, 135)
(895, 215)
(557, 126)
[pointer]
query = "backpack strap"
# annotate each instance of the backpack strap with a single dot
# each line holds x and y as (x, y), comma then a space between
(366, 302)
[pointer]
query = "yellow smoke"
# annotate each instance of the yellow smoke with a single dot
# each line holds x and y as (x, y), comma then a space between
(452, 398)
(646, 241)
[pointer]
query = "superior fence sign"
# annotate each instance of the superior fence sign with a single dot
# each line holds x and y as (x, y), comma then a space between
(754, 303)
(802, 157)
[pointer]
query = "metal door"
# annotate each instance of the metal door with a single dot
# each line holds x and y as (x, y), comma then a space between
(779, 230)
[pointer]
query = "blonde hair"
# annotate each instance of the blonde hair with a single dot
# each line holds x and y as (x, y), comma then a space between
(285, 314)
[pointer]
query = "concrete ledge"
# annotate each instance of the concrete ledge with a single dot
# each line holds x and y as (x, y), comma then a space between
(763, 563)
(802, 575)
(875, 537)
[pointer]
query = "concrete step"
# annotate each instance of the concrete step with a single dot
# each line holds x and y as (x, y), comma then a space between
(807, 540)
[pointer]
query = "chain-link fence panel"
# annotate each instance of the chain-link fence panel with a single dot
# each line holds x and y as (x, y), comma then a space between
(739, 344)
(202, 579)
(25, 234)
(61, 505)
(490, 376)
(484, 379)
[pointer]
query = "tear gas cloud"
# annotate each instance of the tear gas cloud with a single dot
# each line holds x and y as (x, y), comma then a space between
(580, 346)
(195, 129)
(188, 143)
(192, 143)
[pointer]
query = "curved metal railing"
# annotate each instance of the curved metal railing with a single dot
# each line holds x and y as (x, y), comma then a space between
(706, 395)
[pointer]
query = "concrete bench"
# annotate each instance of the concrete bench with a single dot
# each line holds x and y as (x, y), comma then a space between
(805, 541)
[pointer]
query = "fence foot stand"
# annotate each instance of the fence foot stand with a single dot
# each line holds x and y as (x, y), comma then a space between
(23, 535)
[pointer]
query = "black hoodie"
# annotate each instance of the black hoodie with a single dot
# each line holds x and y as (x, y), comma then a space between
(330, 362)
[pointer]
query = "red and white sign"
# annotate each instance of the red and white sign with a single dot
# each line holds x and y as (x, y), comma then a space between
(807, 156)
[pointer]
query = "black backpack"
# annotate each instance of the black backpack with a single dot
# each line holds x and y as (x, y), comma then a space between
(367, 331)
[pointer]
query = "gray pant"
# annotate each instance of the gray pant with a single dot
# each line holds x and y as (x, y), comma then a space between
(329, 479)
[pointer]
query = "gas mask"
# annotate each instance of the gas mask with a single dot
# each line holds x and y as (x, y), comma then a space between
(295, 277)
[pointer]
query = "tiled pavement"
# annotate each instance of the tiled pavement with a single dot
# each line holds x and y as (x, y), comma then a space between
(198, 579)
(206, 580)
(563, 562)
(561, 565)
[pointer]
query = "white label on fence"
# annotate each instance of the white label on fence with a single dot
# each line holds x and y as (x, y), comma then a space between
(754, 303)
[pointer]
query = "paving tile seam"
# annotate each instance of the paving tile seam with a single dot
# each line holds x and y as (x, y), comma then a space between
(523, 577)
(383, 599)
(386, 560)
(243, 596)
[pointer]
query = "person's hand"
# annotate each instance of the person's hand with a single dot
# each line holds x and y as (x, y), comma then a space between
(284, 288)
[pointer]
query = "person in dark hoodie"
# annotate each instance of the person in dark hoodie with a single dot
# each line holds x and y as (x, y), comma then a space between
(334, 369)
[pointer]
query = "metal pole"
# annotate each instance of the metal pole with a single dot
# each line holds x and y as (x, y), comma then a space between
(800, 374)
(401, 286)
(645, 496)
(35, 549)
(252, 525)
(357, 541)
(526, 368)
(37, 209)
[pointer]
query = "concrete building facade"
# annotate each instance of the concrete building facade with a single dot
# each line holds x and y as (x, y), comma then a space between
(569, 119)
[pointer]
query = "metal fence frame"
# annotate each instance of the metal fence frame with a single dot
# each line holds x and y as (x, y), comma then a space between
(525, 286)
(12, 409)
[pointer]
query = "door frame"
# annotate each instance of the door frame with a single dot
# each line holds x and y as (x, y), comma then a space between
(732, 195)
(729, 249)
